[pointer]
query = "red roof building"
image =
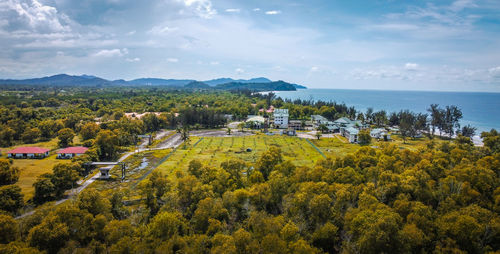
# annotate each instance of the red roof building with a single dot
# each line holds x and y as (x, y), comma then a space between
(28, 152)
(70, 152)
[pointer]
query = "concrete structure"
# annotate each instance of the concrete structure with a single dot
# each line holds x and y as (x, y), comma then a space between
(255, 122)
(70, 152)
(105, 170)
(380, 133)
(280, 117)
(296, 125)
(351, 134)
(318, 120)
(28, 153)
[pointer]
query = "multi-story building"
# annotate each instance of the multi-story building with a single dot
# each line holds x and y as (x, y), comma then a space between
(280, 118)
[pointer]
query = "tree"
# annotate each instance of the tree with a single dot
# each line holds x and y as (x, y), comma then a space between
(185, 134)
(452, 116)
(93, 202)
(228, 131)
(49, 127)
(30, 135)
(364, 137)
(491, 140)
(64, 177)
(407, 124)
(468, 131)
(89, 131)
(369, 115)
(380, 118)
(318, 134)
(9, 229)
(106, 142)
(241, 126)
(65, 136)
(11, 199)
(6, 136)
(437, 115)
(268, 161)
(8, 173)
(45, 190)
(151, 122)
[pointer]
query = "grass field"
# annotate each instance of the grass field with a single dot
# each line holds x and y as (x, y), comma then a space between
(212, 151)
(30, 169)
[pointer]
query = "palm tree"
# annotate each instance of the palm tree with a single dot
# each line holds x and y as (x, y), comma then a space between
(185, 134)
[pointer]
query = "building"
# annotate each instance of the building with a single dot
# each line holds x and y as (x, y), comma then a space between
(280, 117)
(28, 153)
(70, 152)
(255, 122)
(318, 120)
(296, 125)
(380, 133)
(351, 134)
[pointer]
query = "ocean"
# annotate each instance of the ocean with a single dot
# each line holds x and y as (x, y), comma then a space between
(481, 110)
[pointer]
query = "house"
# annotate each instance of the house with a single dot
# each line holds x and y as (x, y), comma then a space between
(296, 125)
(351, 134)
(280, 117)
(318, 120)
(380, 133)
(255, 122)
(70, 152)
(28, 153)
(346, 122)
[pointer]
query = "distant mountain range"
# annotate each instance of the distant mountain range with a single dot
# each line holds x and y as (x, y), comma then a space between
(257, 84)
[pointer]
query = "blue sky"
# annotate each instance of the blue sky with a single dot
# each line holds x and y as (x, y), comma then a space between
(379, 44)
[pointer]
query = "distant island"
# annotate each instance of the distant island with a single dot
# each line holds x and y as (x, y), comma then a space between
(260, 84)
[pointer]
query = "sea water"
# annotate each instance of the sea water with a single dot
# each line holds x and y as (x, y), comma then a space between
(481, 110)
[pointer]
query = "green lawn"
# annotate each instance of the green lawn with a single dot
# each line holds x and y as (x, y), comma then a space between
(213, 151)
(30, 169)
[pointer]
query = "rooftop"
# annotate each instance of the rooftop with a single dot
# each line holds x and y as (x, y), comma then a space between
(74, 149)
(30, 149)
(281, 112)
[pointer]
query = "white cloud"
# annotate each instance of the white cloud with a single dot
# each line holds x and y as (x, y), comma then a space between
(172, 60)
(31, 15)
(256, 9)
(273, 12)
(494, 70)
(239, 71)
(314, 69)
(214, 63)
(160, 30)
(233, 10)
(131, 32)
(111, 53)
(131, 60)
(203, 8)
(411, 66)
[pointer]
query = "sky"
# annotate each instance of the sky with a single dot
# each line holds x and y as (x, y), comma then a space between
(376, 44)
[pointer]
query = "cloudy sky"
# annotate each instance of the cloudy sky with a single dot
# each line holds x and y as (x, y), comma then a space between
(379, 44)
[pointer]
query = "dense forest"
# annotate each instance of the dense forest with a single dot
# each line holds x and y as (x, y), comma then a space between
(443, 197)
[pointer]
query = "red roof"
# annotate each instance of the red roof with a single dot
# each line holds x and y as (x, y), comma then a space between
(74, 149)
(29, 150)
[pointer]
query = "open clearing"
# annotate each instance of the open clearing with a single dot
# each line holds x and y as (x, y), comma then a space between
(30, 169)
(212, 151)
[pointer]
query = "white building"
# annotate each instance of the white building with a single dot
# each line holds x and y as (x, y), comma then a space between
(351, 134)
(281, 118)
